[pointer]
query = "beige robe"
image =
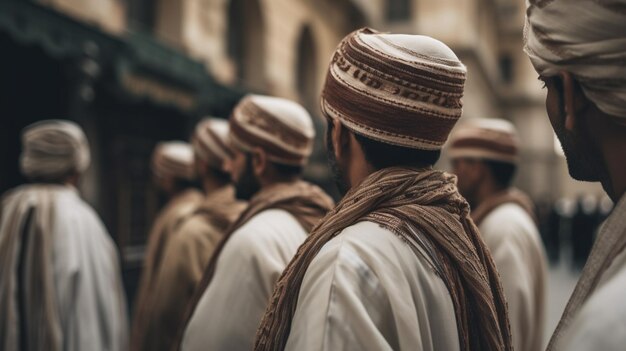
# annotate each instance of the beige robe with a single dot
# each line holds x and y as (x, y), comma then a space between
(368, 290)
(230, 309)
(595, 317)
(513, 239)
(87, 292)
(182, 263)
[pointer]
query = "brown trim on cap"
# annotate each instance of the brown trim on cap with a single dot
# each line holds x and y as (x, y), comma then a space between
(251, 140)
(388, 116)
(491, 145)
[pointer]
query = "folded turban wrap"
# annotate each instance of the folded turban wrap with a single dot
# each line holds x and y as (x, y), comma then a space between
(174, 159)
(53, 149)
(210, 142)
(399, 89)
(585, 38)
(487, 139)
(282, 128)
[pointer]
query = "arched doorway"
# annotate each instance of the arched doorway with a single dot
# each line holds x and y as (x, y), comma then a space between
(246, 43)
(306, 71)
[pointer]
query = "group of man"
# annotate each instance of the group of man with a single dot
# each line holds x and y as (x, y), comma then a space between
(410, 258)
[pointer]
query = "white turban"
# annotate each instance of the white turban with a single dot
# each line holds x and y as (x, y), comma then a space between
(585, 38)
(53, 149)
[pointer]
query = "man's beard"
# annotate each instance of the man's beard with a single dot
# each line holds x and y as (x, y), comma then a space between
(338, 175)
(583, 161)
(248, 184)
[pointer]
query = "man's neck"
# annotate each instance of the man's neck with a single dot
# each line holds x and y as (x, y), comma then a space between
(211, 184)
(615, 185)
(485, 190)
(269, 183)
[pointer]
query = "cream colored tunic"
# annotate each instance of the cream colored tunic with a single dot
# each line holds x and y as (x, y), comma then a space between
(600, 323)
(368, 290)
(86, 274)
(230, 310)
(513, 239)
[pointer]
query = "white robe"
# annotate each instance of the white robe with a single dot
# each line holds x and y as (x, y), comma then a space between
(368, 290)
(513, 239)
(600, 323)
(230, 310)
(86, 275)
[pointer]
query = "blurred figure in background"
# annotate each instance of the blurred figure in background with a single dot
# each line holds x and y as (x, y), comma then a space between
(60, 284)
(484, 157)
(192, 242)
(584, 225)
(175, 177)
(272, 140)
(577, 47)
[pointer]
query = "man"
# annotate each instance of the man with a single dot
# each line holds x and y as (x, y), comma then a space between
(174, 175)
(273, 139)
(484, 157)
(60, 285)
(398, 264)
(577, 47)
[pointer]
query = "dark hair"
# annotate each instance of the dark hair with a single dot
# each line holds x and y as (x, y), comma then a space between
(502, 172)
(287, 170)
(181, 184)
(221, 176)
(382, 155)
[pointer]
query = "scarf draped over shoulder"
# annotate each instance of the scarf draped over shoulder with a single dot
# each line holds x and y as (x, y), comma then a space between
(422, 207)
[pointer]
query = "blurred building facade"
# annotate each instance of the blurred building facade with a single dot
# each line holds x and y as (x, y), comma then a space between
(134, 72)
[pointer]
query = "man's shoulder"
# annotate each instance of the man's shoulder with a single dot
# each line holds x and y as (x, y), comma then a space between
(511, 219)
(368, 245)
(269, 228)
(269, 222)
(602, 319)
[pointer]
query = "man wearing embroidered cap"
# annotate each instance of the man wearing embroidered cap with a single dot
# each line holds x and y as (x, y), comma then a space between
(398, 264)
(196, 227)
(60, 284)
(578, 49)
(484, 155)
(272, 139)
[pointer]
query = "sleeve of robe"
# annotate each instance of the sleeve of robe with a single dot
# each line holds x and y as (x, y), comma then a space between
(516, 248)
(367, 290)
(184, 260)
(88, 281)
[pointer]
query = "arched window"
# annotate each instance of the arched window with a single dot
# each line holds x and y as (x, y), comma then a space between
(306, 71)
(245, 42)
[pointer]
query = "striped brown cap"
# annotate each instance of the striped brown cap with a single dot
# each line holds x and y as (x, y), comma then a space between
(281, 127)
(487, 139)
(403, 90)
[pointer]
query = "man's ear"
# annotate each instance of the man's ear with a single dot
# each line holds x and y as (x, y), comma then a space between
(340, 138)
(259, 161)
(574, 100)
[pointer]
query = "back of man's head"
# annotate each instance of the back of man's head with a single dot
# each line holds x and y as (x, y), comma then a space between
(53, 151)
(399, 94)
(283, 129)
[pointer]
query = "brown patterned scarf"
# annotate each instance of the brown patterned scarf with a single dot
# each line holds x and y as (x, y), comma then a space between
(510, 195)
(408, 201)
(306, 202)
(30, 318)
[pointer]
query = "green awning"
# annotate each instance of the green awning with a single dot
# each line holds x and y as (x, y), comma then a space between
(143, 67)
